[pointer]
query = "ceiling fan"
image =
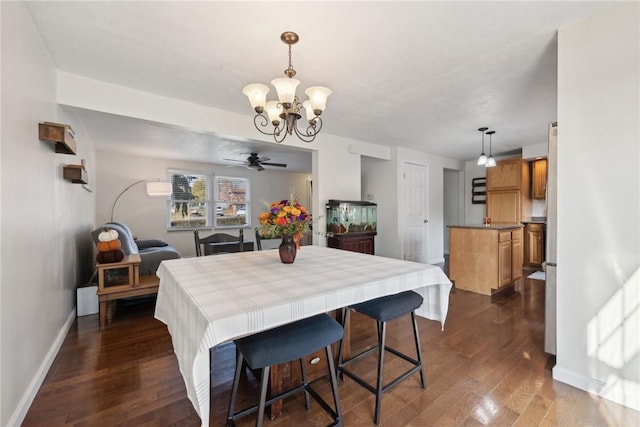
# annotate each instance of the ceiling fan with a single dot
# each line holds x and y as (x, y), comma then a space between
(255, 162)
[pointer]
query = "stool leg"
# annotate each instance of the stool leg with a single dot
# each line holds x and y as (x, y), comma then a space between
(345, 316)
(234, 390)
(334, 384)
(418, 350)
(264, 382)
(382, 330)
(303, 370)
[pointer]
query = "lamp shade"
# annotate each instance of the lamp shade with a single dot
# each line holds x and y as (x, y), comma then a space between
(482, 160)
(318, 97)
(159, 188)
(491, 162)
(274, 109)
(286, 89)
(309, 111)
(257, 94)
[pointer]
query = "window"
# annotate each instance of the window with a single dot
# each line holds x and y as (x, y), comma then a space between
(232, 202)
(190, 201)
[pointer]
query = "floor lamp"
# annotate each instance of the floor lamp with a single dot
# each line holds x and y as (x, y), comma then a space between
(155, 188)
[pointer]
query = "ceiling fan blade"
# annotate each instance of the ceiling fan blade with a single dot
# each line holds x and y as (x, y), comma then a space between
(280, 165)
(263, 159)
(234, 160)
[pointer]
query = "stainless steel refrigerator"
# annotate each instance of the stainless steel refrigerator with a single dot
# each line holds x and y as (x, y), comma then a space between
(552, 232)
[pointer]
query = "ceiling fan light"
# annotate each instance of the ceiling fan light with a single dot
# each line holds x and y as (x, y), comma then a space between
(257, 94)
(274, 109)
(482, 160)
(318, 98)
(286, 89)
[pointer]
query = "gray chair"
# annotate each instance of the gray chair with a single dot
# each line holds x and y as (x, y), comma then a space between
(383, 310)
(284, 344)
(152, 251)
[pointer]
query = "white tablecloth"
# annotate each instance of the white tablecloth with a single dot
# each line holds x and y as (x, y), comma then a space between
(206, 301)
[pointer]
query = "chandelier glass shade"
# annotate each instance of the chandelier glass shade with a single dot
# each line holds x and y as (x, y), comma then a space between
(281, 118)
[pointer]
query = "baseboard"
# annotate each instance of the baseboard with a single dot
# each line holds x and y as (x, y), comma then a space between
(625, 394)
(18, 415)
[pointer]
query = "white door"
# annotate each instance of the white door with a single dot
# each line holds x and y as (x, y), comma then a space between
(414, 211)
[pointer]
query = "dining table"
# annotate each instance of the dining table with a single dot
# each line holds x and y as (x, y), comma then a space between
(209, 300)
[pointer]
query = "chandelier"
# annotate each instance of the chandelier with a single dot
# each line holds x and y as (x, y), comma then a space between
(284, 113)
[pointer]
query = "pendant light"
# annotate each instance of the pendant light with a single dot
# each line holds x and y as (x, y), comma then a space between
(482, 160)
(491, 162)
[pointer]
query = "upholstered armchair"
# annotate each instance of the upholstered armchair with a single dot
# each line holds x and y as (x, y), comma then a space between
(152, 251)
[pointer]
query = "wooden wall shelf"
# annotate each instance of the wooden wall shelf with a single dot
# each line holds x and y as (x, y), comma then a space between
(61, 135)
(75, 174)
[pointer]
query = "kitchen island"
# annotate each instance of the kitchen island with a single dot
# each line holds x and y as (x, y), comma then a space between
(485, 259)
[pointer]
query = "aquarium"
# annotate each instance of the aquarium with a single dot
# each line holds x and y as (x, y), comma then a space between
(345, 217)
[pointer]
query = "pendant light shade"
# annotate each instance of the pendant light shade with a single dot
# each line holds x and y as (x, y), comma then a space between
(482, 160)
(491, 162)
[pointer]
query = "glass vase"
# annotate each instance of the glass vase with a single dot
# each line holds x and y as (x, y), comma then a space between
(287, 250)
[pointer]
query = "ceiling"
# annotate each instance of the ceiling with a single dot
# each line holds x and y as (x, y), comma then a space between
(422, 75)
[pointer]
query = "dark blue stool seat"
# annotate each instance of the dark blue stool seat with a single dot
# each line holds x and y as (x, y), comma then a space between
(383, 310)
(281, 345)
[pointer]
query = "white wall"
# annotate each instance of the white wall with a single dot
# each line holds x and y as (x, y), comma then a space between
(46, 220)
(598, 316)
(378, 181)
(453, 203)
(146, 216)
(381, 179)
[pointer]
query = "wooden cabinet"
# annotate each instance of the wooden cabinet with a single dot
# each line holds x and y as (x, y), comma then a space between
(534, 240)
(506, 175)
(356, 242)
(508, 191)
(517, 254)
(539, 180)
(485, 259)
(504, 206)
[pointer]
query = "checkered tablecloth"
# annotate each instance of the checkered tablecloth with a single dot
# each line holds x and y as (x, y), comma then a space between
(206, 301)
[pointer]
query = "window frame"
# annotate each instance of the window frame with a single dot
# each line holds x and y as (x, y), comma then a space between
(217, 201)
(207, 216)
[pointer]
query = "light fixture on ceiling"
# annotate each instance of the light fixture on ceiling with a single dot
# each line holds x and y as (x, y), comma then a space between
(155, 188)
(491, 162)
(284, 113)
(482, 160)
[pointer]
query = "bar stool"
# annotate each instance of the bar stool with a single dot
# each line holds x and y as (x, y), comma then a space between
(281, 345)
(383, 310)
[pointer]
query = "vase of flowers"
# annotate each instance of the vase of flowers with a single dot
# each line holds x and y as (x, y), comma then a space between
(287, 219)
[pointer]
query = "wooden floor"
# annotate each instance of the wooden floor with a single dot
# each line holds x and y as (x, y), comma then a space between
(486, 368)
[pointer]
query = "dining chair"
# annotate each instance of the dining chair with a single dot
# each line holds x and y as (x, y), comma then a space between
(258, 240)
(218, 243)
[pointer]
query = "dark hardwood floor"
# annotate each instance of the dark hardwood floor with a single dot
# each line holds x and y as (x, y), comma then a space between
(487, 367)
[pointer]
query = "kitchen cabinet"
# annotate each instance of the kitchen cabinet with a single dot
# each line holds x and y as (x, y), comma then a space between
(485, 259)
(506, 175)
(508, 189)
(539, 179)
(534, 241)
(504, 207)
